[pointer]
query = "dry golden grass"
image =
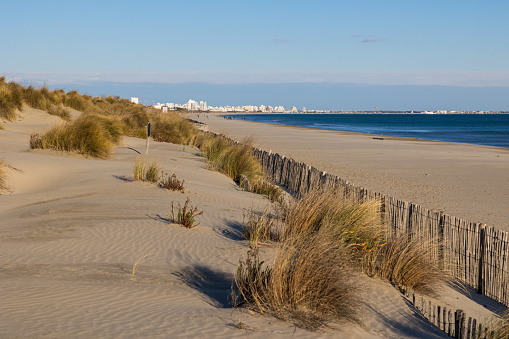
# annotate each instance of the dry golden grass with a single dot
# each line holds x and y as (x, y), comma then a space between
(262, 228)
(171, 127)
(407, 263)
(3, 175)
(88, 135)
(355, 224)
(11, 99)
(145, 169)
(60, 111)
(498, 328)
(309, 282)
(231, 159)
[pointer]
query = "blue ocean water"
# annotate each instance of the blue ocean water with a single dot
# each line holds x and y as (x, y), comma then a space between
(477, 129)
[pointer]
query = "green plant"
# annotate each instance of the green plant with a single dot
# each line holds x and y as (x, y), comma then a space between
(186, 215)
(171, 182)
(145, 169)
(309, 282)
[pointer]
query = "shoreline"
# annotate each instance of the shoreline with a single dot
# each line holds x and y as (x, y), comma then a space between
(467, 181)
(435, 136)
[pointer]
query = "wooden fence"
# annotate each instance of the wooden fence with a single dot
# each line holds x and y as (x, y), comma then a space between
(455, 323)
(476, 254)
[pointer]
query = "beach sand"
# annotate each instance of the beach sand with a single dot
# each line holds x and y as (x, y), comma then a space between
(71, 229)
(466, 181)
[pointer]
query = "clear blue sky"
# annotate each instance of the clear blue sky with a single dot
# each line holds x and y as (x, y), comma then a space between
(446, 42)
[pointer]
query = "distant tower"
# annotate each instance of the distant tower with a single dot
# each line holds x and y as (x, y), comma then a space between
(134, 100)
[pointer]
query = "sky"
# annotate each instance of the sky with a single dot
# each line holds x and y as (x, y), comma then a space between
(369, 45)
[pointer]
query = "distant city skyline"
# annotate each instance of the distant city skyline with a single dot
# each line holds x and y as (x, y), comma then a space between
(364, 45)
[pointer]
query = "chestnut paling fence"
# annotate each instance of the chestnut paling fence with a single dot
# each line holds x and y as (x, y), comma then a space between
(475, 253)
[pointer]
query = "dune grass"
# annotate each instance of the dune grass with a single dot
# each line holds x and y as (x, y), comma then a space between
(145, 169)
(230, 158)
(308, 282)
(11, 99)
(60, 111)
(355, 224)
(497, 328)
(171, 127)
(407, 263)
(88, 135)
(3, 175)
(322, 230)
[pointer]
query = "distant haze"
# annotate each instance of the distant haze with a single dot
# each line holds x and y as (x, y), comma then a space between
(324, 96)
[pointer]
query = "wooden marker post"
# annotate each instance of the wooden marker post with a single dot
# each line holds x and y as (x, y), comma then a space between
(148, 137)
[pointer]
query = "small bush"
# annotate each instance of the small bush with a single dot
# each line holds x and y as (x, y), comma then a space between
(145, 169)
(35, 141)
(171, 182)
(185, 216)
(309, 282)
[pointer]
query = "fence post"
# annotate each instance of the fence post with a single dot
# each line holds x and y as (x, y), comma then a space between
(441, 225)
(482, 249)
(459, 328)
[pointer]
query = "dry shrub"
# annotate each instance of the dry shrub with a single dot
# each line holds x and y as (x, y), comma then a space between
(89, 135)
(186, 216)
(309, 282)
(145, 169)
(171, 182)
(407, 262)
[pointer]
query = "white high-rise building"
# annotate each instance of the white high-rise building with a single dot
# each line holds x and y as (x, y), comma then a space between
(203, 106)
(192, 105)
(135, 100)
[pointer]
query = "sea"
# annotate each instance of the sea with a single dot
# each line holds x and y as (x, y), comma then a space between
(476, 129)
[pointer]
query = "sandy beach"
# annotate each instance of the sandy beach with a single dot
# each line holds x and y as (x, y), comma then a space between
(71, 229)
(467, 181)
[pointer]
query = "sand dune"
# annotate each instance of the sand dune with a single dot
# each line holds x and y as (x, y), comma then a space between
(71, 229)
